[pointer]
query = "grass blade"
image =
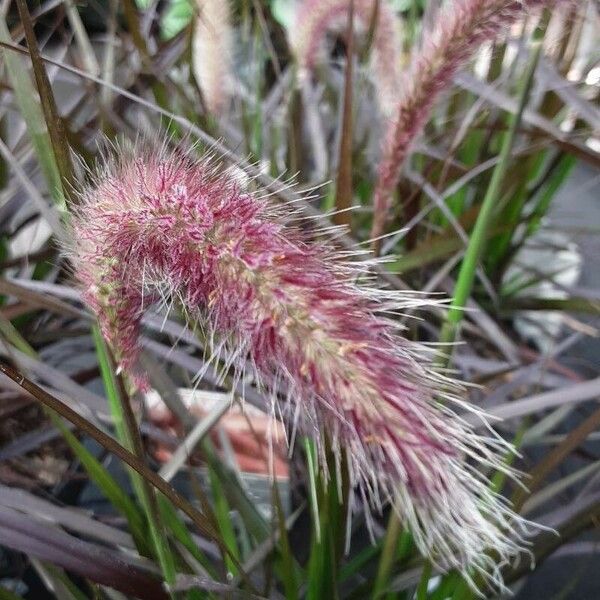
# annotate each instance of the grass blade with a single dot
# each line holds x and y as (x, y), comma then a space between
(94, 562)
(31, 111)
(54, 122)
(115, 448)
(128, 434)
(109, 487)
(475, 246)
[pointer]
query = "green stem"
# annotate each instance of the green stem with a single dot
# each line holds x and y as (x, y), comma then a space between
(128, 433)
(424, 582)
(466, 276)
(312, 484)
(388, 554)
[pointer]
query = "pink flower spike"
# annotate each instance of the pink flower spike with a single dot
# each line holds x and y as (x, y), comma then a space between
(212, 53)
(158, 224)
(459, 30)
(314, 18)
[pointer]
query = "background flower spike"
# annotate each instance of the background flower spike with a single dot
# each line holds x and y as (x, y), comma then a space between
(459, 30)
(314, 18)
(212, 53)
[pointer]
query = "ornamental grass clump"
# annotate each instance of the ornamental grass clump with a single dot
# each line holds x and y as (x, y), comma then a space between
(457, 33)
(279, 304)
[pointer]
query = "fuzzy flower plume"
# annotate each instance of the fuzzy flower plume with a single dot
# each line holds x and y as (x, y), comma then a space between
(277, 303)
(314, 18)
(212, 53)
(460, 28)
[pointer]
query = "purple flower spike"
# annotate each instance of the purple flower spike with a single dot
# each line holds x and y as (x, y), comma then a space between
(280, 304)
(314, 18)
(460, 28)
(212, 53)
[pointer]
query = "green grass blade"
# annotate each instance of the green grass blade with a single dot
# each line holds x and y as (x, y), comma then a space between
(327, 547)
(287, 570)
(466, 276)
(556, 179)
(26, 98)
(424, 582)
(108, 486)
(236, 495)
(224, 521)
(177, 527)
(388, 555)
(359, 561)
(126, 435)
(312, 487)
(54, 122)
(69, 587)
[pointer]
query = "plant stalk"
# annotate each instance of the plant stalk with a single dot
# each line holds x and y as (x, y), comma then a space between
(476, 245)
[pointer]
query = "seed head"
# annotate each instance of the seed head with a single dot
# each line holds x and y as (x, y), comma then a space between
(212, 53)
(282, 306)
(314, 18)
(459, 30)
